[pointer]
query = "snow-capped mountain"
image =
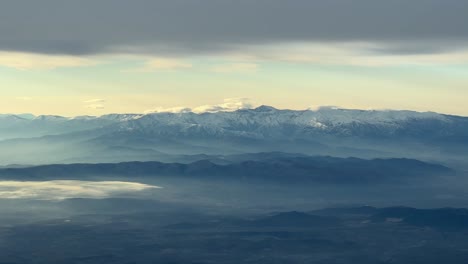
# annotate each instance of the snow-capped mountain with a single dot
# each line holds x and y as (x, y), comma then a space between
(266, 117)
(263, 122)
(327, 130)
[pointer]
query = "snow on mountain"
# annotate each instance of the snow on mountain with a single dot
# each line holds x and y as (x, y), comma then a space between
(229, 105)
(269, 116)
(258, 122)
(323, 131)
(266, 122)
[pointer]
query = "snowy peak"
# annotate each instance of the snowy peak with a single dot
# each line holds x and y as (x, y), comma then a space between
(263, 121)
(265, 108)
(346, 116)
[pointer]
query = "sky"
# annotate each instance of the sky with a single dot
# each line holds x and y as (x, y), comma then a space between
(93, 57)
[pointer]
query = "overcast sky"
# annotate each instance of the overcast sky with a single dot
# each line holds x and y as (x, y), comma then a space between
(131, 56)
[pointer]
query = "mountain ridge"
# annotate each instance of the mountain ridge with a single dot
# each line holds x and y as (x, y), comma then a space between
(260, 108)
(326, 131)
(249, 121)
(298, 169)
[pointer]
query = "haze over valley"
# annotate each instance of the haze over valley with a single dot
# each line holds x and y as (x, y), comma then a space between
(232, 132)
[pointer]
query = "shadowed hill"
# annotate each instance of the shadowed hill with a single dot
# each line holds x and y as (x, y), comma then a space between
(287, 170)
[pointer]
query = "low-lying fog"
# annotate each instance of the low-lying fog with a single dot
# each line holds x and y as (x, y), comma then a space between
(117, 219)
(66, 189)
(232, 196)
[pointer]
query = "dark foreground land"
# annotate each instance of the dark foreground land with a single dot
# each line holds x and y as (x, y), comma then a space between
(346, 235)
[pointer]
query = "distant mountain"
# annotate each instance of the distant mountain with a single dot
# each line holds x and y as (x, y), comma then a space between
(347, 211)
(257, 122)
(284, 170)
(441, 218)
(437, 218)
(445, 218)
(326, 131)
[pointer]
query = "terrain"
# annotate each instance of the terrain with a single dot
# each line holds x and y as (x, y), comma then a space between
(170, 137)
(259, 185)
(333, 235)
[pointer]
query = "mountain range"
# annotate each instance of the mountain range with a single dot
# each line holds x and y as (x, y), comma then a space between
(28, 139)
(292, 170)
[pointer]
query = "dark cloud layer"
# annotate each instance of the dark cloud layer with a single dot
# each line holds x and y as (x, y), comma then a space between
(197, 26)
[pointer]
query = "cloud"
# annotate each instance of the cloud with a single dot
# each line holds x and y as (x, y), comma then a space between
(65, 189)
(94, 101)
(161, 64)
(213, 26)
(169, 110)
(353, 54)
(167, 64)
(229, 105)
(236, 68)
(29, 61)
(95, 106)
(324, 107)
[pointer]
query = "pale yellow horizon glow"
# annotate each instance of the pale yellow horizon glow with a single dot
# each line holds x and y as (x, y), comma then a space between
(141, 104)
(293, 76)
